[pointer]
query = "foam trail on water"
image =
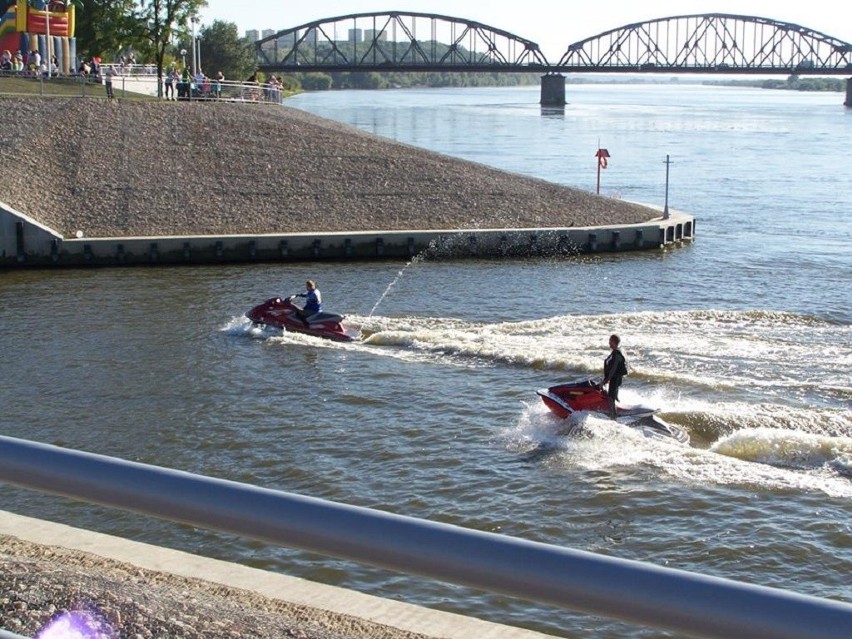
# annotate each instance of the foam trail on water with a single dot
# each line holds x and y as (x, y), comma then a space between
(786, 448)
(807, 463)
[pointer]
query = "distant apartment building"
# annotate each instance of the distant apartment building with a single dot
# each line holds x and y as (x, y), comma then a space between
(277, 47)
(376, 34)
(286, 41)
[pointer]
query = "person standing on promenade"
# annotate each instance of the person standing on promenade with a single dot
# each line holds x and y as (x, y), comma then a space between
(220, 78)
(183, 86)
(615, 368)
(110, 72)
(169, 85)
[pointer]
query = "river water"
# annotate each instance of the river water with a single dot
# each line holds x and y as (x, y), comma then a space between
(742, 338)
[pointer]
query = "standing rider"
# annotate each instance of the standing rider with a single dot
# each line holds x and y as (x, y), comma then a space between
(615, 368)
(313, 301)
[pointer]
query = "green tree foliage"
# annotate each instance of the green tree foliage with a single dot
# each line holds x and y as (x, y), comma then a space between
(404, 80)
(316, 81)
(105, 28)
(223, 50)
(290, 84)
(791, 83)
(159, 21)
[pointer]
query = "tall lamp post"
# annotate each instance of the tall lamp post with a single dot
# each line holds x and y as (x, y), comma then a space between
(47, 37)
(193, 20)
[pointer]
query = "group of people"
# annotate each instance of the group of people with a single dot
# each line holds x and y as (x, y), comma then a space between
(92, 66)
(31, 63)
(188, 86)
(268, 91)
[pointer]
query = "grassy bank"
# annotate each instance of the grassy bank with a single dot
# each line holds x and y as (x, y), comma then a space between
(16, 85)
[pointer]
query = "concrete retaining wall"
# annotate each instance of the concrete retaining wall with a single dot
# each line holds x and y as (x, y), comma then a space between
(21, 236)
(25, 243)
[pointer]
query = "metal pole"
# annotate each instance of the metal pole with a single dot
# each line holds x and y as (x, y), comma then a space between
(192, 20)
(631, 591)
(666, 206)
(598, 155)
(598, 188)
(47, 35)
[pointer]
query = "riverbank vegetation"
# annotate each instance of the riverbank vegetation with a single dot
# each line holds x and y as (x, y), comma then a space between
(328, 81)
(792, 83)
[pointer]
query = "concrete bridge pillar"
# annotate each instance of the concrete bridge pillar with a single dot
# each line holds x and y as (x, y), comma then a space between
(553, 90)
(848, 92)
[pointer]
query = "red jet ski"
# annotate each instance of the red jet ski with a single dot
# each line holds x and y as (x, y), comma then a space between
(564, 400)
(280, 312)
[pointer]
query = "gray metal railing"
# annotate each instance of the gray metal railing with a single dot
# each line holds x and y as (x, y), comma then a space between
(627, 590)
(77, 85)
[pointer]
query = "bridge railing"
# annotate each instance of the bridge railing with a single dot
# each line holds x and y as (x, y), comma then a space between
(627, 590)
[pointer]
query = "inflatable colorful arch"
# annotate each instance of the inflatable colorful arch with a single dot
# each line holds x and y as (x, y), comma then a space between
(43, 25)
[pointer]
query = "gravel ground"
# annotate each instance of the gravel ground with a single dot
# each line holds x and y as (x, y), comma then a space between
(39, 583)
(139, 168)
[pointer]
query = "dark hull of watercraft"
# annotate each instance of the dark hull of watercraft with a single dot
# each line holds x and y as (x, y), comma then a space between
(564, 400)
(282, 313)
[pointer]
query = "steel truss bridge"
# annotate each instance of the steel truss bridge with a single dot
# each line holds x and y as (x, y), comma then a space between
(403, 41)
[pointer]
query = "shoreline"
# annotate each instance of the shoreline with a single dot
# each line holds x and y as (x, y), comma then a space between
(37, 246)
(99, 169)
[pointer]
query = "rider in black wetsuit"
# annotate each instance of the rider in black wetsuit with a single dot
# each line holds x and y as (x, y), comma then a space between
(615, 368)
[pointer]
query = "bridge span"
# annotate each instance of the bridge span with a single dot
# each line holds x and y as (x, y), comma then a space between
(713, 43)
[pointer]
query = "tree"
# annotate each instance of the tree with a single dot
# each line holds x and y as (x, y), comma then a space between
(316, 82)
(104, 27)
(223, 50)
(159, 21)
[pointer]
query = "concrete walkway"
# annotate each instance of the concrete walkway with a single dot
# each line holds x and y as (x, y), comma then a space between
(330, 599)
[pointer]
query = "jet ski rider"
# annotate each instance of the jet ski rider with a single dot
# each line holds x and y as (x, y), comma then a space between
(313, 301)
(615, 368)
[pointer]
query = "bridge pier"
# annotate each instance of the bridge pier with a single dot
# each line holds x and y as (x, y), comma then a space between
(553, 90)
(848, 93)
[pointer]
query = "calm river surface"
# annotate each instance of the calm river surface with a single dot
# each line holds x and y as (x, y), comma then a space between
(743, 338)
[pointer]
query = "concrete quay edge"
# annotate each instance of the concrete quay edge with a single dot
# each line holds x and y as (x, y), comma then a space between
(25, 243)
(294, 590)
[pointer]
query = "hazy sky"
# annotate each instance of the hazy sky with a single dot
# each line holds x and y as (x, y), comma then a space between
(553, 25)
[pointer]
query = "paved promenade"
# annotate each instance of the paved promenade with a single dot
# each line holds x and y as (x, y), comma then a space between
(146, 591)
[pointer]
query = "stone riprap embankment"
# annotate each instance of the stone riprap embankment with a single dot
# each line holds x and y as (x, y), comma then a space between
(139, 591)
(145, 168)
(38, 584)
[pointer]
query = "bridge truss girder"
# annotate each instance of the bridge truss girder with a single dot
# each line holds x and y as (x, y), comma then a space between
(710, 43)
(394, 42)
